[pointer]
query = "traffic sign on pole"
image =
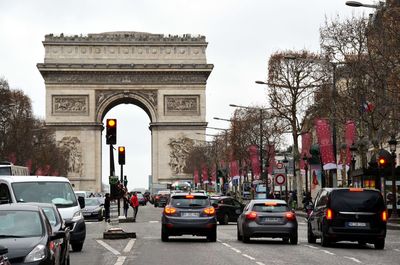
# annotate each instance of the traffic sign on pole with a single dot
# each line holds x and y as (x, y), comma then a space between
(280, 179)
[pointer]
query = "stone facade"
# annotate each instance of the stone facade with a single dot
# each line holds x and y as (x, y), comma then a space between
(86, 76)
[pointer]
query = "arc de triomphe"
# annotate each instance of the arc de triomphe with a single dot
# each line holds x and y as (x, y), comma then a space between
(86, 76)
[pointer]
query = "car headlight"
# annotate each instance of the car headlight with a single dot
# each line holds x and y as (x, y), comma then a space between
(38, 253)
(77, 216)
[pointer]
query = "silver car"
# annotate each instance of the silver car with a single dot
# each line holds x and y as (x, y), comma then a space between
(267, 218)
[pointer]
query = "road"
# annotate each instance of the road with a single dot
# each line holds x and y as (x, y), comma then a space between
(147, 248)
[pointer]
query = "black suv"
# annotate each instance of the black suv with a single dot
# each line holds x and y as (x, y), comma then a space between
(228, 209)
(348, 214)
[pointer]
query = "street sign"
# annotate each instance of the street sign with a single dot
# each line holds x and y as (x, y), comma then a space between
(280, 179)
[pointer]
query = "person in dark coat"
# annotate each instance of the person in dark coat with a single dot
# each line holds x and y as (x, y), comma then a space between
(107, 207)
(126, 204)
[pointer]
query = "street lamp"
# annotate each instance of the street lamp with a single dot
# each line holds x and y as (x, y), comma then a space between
(353, 150)
(359, 4)
(305, 159)
(392, 146)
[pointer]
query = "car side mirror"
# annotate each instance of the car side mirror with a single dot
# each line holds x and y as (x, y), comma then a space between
(81, 201)
(57, 235)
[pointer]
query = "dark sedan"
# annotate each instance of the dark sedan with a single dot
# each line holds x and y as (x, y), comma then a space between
(57, 224)
(28, 235)
(190, 214)
(94, 209)
(267, 218)
(227, 209)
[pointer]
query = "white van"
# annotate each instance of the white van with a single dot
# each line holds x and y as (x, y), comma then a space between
(56, 190)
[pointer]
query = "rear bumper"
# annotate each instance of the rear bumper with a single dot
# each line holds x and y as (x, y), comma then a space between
(345, 234)
(180, 226)
(256, 230)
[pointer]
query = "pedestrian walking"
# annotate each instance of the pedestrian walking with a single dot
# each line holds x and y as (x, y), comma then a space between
(126, 204)
(107, 207)
(135, 205)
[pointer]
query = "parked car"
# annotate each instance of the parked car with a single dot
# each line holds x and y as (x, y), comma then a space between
(57, 224)
(28, 235)
(3, 256)
(227, 208)
(267, 218)
(189, 213)
(94, 208)
(142, 200)
(348, 214)
(161, 198)
(47, 189)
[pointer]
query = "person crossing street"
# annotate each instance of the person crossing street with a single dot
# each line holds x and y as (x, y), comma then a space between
(135, 205)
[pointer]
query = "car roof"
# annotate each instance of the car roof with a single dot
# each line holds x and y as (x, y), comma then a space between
(268, 200)
(42, 204)
(34, 178)
(19, 206)
(221, 197)
(180, 194)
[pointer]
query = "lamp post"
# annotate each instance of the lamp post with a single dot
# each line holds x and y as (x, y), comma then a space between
(353, 150)
(392, 146)
(285, 162)
(359, 4)
(305, 159)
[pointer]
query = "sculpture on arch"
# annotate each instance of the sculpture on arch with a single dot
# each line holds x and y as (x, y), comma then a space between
(180, 149)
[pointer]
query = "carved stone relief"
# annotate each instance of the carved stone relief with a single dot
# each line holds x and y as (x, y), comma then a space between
(149, 95)
(180, 148)
(75, 165)
(70, 104)
(181, 105)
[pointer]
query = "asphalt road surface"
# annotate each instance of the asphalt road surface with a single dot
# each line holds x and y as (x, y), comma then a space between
(147, 248)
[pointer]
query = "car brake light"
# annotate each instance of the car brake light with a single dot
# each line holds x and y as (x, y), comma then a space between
(329, 214)
(251, 215)
(169, 210)
(157, 197)
(189, 196)
(209, 211)
(384, 216)
(356, 189)
(290, 216)
(52, 246)
(271, 204)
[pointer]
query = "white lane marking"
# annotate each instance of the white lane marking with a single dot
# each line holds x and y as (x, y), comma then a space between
(153, 222)
(247, 256)
(327, 252)
(106, 246)
(311, 247)
(120, 260)
(236, 250)
(260, 263)
(129, 245)
(397, 249)
(226, 245)
(301, 223)
(353, 259)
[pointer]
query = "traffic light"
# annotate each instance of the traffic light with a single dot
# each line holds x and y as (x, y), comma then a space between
(382, 162)
(111, 131)
(121, 155)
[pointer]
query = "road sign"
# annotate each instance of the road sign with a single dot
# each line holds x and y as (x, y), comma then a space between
(280, 179)
(279, 165)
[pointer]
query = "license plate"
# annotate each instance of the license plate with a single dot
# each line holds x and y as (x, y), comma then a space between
(271, 220)
(190, 214)
(356, 224)
(87, 214)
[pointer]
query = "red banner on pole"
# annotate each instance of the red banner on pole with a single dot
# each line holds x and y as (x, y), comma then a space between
(325, 143)
(234, 169)
(305, 147)
(270, 148)
(196, 176)
(204, 174)
(214, 174)
(255, 161)
(350, 135)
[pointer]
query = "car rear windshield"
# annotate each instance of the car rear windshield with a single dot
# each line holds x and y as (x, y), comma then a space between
(262, 207)
(188, 202)
(357, 201)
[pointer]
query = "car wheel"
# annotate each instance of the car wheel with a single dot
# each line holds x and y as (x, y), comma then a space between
(77, 247)
(101, 216)
(285, 240)
(379, 244)
(324, 241)
(294, 239)
(164, 234)
(224, 220)
(155, 205)
(310, 236)
(246, 239)
(212, 236)
(239, 237)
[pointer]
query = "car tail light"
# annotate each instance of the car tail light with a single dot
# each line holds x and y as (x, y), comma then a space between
(271, 204)
(356, 189)
(384, 216)
(157, 197)
(169, 210)
(329, 214)
(52, 246)
(251, 216)
(209, 211)
(189, 196)
(290, 216)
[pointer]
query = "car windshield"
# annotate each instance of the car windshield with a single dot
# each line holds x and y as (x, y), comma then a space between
(214, 201)
(195, 201)
(18, 223)
(58, 193)
(51, 215)
(270, 208)
(92, 202)
(357, 201)
(140, 196)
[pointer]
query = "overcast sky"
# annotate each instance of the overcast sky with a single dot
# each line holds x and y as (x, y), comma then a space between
(241, 36)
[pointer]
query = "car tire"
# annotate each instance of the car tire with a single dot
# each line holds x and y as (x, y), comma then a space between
(101, 215)
(77, 246)
(224, 220)
(212, 236)
(310, 236)
(246, 239)
(164, 235)
(285, 240)
(155, 205)
(379, 243)
(324, 240)
(239, 236)
(294, 239)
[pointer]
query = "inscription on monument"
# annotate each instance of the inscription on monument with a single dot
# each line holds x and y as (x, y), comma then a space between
(69, 104)
(181, 105)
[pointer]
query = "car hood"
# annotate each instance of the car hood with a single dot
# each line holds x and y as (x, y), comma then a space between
(91, 208)
(20, 247)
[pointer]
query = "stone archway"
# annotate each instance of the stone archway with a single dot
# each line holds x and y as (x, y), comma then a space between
(86, 76)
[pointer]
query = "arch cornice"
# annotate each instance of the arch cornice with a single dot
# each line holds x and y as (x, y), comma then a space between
(145, 99)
